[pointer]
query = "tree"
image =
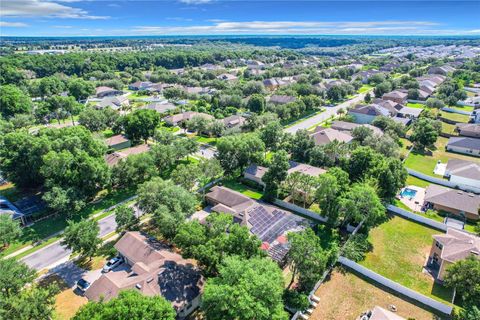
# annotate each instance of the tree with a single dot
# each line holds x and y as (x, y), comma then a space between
(9, 229)
(135, 169)
(186, 175)
(361, 133)
(469, 313)
(82, 237)
(236, 152)
(245, 290)
(60, 104)
(464, 277)
(212, 242)
(327, 196)
(361, 203)
(50, 86)
(356, 247)
(210, 169)
(306, 258)
(129, 304)
(382, 88)
(13, 101)
(435, 103)
(361, 161)
(141, 124)
(277, 172)
(301, 146)
(368, 98)
(256, 103)
(170, 204)
(272, 135)
(425, 133)
(14, 275)
(80, 88)
(413, 94)
(391, 175)
(34, 302)
(125, 218)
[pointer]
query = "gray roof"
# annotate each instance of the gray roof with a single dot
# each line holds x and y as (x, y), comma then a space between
(457, 245)
(454, 199)
(464, 142)
(160, 107)
(469, 129)
(415, 112)
(349, 126)
(281, 99)
(464, 168)
(323, 136)
(371, 110)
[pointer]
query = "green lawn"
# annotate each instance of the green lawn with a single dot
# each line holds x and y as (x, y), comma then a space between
(416, 105)
(400, 249)
(448, 128)
(364, 88)
(249, 192)
(209, 140)
(425, 162)
(414, 181)
(49, 226)
(455, 116)
(462, 108)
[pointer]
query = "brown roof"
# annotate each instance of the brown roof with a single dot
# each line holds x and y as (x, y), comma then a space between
(115, 157)
(349, 126)
(469, 129)
(458, 245)
(114, 140)
(185, 116)
(323, 136)
(229, 198)
(396, 94)
(281, 99)
(454, 199)
(305, 169)
(153, 272)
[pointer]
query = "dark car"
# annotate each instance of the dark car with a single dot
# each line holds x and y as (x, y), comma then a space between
(83, 285)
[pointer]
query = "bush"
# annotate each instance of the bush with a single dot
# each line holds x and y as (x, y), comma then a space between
(296, 300)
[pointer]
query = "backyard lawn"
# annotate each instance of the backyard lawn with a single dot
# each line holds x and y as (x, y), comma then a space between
(364, 88)
(237, 186)
(400, 250)
(455, 116)
(209, 140)
(425, 162)
(448, 128)
(416, 105)
(344, 295)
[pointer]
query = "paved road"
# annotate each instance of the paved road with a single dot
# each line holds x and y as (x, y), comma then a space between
(331, 111)
(56, 253)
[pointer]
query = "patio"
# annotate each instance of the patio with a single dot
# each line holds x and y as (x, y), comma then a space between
(415, 201)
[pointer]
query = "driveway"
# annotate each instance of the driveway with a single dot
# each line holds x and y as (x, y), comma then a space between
(321, 117)
(54, 254)
(206, 151)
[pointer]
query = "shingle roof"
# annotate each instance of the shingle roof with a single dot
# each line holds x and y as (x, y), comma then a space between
(458, 245)
(281, 99)
(379, 313)
(451, 198)
(464, 168)
(349, 126)
(323, 136)
(464, 142)
(470, 129)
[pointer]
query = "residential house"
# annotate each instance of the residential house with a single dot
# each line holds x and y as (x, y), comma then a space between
(255, 172)
(330, 83)
(465, 145)
(272, 83)
(379, 313)
(269, 223)
(448, 248)
(118, 142)
(115, 103)
(471, 101)
(151, 269)
(101, 92)
(160, 107)
(389, 67)
(255, 65)
(443, 70)
(277, 99)
(463, 172)
(322, 136)
(468, 129)
(139, 85)
(158, 87)
(183, 117)
(114, 158)
(365, 75)
(410, 113)
(350, 126)
(6, 207)
(396, 96)
(234, 121)
(454, 201)
(367, 113)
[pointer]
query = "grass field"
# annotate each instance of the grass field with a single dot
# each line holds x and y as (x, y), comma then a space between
(364, 88)
(455, 116)
(425, 162)
(400, 250)
(462, 108)
(249, 192)
(209, 140)
(344, 295)
(416, 105)
(414, 181)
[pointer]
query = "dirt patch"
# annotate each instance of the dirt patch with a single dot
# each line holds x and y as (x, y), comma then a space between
(346, 296)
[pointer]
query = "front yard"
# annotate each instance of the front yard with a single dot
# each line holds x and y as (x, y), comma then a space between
(400, 250)
(344, 295)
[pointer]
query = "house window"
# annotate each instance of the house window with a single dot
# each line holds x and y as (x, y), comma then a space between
(438, 245)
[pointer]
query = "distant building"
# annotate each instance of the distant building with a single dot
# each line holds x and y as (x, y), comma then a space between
(350, 126)
(396, 96)
(443, 70)
(161, 107)
(101, 92)
(278, 99)
(322, 136)
(116, 102)
(151, 270)
(114, 158)
(227, 77)
(233, 121)
(451, 247)
(183, 117)
(139, 85)
(367, 113)
(468, 129)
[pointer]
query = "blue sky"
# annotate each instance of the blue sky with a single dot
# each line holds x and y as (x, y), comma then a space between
(205, 17)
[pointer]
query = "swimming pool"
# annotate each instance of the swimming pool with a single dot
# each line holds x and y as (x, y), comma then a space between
(408, 193)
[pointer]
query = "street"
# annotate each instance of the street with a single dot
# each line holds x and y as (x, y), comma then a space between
(331, 111)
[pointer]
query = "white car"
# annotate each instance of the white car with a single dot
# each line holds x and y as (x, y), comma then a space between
(112, 264)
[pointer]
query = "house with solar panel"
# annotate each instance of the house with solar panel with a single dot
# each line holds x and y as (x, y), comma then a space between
(269, 223)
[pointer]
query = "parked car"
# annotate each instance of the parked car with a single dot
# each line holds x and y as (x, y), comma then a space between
(83, 285)
(112, 264)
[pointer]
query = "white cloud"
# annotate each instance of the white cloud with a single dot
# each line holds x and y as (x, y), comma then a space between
(294, 27)
(13, 24)
(194, 2)
(42, 8)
